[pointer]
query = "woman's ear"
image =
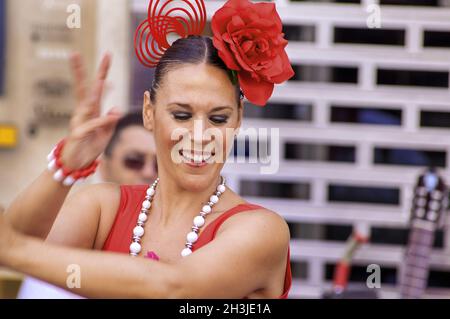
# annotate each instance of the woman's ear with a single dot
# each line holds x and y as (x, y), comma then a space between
(148, 112)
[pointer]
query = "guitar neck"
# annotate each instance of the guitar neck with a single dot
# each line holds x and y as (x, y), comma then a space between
(430, 202)
(417, 259)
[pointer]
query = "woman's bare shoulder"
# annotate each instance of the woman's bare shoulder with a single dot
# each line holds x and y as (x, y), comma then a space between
(259, 217)
(268, 219)
(107, 196)
(83, 214)
(261, 222)
(102, 194)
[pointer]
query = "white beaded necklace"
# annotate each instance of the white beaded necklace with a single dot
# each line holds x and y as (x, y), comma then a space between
(192, 236)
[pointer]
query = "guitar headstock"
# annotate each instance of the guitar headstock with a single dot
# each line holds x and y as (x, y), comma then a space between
(430, 200)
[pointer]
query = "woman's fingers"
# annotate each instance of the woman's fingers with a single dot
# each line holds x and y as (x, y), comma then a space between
(103, 69)
(94, 102)
(115, 111)
(89, 106)
(107, 122)
(76, 63)
(88, 139)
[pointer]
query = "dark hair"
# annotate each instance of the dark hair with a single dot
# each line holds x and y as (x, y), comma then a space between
(131, 119)
(193, 49)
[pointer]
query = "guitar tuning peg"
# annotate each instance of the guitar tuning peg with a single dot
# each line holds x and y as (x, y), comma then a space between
(421, 202)
(421, 191)
(435, 205)
(420, 212)
(437, 195)
(432, 215)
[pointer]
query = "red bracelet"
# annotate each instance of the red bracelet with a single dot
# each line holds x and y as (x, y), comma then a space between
(62, 174)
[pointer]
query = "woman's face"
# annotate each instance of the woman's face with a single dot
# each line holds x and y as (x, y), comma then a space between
(194, 119)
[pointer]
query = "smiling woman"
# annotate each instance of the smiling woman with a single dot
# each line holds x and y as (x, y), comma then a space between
(198, 238)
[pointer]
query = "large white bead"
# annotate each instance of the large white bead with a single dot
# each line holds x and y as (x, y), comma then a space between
(151, 191)
(138, 231)
(146, 204)
(68, 181)
(192, 237)
(214, 199)
(221, 188)
(51, 165)
(206, 209)
(186, 252)
(50, 156)
(59, 175)
(199, 221)
(142, 217)
(135, 248)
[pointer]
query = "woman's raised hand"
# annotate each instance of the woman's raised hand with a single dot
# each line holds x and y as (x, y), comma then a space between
(89, 131)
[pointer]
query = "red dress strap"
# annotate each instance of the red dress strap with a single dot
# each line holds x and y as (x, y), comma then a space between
(209, 232)
(131, 198)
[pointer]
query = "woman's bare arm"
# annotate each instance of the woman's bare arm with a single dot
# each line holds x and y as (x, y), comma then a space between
(241, 259)
(86, 217)
(34, 210)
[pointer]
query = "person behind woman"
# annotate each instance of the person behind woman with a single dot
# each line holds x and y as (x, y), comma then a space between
(130, 156)
(233, 249)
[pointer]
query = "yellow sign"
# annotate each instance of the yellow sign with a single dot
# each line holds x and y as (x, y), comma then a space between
(8, 136)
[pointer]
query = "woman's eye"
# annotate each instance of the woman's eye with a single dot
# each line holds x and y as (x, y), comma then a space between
(219, 119)
(181, 116)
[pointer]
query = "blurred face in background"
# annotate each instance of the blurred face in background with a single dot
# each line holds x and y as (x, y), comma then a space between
(132, 160)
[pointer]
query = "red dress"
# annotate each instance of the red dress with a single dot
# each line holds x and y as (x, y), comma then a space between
(131, 198)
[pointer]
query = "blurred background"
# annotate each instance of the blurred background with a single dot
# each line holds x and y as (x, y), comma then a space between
(367, 111)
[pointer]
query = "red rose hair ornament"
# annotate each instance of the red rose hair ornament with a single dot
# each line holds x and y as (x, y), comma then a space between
(248, 37)
(250, 41)
(183, 17)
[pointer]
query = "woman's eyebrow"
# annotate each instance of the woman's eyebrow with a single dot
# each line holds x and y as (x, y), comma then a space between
(189, 107)
(183, 105)
(221, 108)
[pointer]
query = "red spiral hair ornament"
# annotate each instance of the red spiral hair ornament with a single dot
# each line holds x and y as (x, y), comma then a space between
(183, 17)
